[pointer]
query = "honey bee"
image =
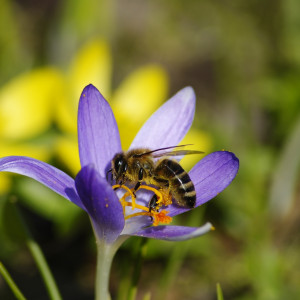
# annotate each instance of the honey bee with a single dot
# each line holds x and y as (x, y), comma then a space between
(139, 165)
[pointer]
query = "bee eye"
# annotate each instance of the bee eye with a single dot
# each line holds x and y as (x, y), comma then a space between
(120, 165)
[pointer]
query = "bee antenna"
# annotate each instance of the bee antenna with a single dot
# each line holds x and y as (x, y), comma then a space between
(109, 171)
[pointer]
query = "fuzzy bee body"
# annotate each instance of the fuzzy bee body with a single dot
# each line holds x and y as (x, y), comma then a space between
(139, 165)
(179, 182)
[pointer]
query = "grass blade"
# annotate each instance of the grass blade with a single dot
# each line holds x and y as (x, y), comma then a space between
(16, 291)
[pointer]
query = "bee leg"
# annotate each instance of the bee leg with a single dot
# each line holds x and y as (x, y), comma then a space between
(153, 205)
(141, 174)
(140, 177)
(136, 188)
(120, 183)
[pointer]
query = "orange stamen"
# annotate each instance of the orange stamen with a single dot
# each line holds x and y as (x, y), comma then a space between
(129, 193)
(158, 217)
(136, 205)
(163, 198)
(155, 191)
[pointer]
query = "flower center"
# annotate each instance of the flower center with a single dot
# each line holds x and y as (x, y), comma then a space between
(160, 198)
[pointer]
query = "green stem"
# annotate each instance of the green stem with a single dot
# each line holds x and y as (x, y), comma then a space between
(41, 262)
(18, 294)
(104, 261)
(219, 292)
(105, 255)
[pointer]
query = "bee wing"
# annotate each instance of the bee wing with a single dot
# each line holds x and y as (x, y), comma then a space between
(167, 152)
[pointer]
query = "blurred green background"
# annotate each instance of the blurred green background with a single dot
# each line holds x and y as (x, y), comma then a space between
(243, 60)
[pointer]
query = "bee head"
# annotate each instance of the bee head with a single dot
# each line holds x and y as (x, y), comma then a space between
(119, 167)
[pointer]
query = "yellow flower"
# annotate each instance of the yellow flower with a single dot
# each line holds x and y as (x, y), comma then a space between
(26, 104)
(26, 111)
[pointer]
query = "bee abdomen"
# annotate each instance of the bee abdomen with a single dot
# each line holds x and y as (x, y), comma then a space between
(182, 187)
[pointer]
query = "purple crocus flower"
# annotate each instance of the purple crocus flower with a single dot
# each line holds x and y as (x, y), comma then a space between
(99, 141)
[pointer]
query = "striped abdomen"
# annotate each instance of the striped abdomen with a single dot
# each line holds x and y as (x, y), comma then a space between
(181, 186)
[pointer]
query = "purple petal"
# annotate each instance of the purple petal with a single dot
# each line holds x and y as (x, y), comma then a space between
(51, 177)
(98, 135)
(211, 175)
(102, 204)
(135, 224)
(174, 233)
(169, 124)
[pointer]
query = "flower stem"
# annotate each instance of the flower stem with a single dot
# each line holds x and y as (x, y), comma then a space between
(18, 294)
(104, 261)
(105, 255)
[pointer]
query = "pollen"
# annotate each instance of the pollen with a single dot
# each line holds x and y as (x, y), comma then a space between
(166, 197)
(161, 217)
